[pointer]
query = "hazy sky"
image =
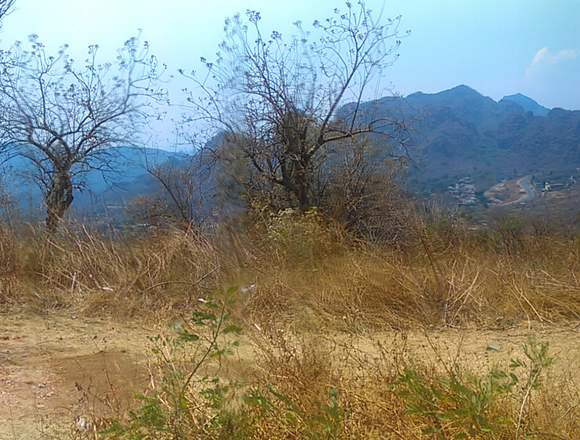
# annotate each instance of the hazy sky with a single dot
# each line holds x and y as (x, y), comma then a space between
(498, 47)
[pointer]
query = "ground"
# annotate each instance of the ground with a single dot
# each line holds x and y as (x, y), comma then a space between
(56, 368)
(511, 192)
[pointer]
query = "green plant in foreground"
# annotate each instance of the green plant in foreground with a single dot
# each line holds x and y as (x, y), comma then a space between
(537, 359)
(461, 405)
(186, 401)
(326, 422)
(190, 400)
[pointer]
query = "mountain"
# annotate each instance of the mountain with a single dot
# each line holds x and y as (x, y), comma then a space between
(459, 132)
(102, 191)
(451, 134)
(528, 104)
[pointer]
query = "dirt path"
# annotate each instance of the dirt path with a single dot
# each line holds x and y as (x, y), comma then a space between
(518, 191)
(53, 368)
(525, 194)
(59, 367)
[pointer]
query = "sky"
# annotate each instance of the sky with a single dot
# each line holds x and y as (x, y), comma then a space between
(498, 47)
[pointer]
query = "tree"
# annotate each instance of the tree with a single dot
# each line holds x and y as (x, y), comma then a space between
(186, 185)
(66, 117)
(5, 8)
(277, 99)
(363, 194)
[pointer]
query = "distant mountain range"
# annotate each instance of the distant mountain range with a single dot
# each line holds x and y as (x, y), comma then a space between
(102, 192)
(454, 134)
(528, 104)
(459, 132)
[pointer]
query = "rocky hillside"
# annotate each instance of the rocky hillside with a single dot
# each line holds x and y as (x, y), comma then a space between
(459, 132)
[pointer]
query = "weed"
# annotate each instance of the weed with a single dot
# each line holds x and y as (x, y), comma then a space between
(172, 410)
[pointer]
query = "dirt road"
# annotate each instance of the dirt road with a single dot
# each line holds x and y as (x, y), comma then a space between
(56, 368)
(514, 192)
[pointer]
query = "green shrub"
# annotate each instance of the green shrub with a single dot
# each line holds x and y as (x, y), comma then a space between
(186, 402)
(461, 405)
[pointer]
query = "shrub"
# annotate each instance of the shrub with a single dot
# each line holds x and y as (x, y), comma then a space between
(186, 403)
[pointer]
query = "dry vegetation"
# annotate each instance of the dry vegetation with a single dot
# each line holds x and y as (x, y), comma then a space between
(299, 281)
(303, 268)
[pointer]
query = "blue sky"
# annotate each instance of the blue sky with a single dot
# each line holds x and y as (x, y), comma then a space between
(498, 47)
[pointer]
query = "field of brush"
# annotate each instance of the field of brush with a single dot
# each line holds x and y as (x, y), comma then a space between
(290, 327)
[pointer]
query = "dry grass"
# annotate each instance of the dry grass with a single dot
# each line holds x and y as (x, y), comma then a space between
(304, 271)
(300, 281)
(308, 387)
(324, 391)
(98, 275)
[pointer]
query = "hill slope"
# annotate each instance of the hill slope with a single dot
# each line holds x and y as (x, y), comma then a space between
(102, 191)
(454, 133)
(460, 132)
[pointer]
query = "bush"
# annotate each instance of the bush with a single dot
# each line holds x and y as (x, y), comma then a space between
(300, 238)
(186, 403)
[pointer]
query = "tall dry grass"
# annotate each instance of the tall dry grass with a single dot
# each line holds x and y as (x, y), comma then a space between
(98, 274)
(302, 271)
(305, 386)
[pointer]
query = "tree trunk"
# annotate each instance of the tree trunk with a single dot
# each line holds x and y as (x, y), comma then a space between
(58, 199)
(303, 196)
(302, 185)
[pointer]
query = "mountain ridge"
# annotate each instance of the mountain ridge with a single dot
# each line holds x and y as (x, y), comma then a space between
(455, 133)
(459, 132)
(527, 104)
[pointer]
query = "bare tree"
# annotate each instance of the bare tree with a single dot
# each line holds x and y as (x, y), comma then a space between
(67, 117)
(277, 99)
(187, 184)
(5, 8)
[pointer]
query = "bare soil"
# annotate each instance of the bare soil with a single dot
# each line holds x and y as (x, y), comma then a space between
(57, 368)
(511, 192)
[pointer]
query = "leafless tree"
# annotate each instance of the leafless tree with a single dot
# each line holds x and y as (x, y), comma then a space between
(5, 8)
(277, 98)
(66, 117)
(187, 186)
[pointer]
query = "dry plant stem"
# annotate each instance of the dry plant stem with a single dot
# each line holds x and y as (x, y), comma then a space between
(435, 269)
(525, 401)
(185, 283)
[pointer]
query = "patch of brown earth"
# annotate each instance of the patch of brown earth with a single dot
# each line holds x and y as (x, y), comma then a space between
(57, 368)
